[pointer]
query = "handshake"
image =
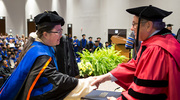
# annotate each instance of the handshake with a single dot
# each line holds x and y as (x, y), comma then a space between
(87, 85)
(97, 80)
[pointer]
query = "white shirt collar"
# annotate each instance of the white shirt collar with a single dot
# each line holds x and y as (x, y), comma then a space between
(154, 33)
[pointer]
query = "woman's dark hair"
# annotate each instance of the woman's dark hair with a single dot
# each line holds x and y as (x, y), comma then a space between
(27, 46)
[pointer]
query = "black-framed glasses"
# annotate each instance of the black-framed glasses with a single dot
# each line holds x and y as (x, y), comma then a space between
(56, 31)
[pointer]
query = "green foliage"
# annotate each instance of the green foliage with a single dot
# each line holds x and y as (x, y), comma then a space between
(102, 60)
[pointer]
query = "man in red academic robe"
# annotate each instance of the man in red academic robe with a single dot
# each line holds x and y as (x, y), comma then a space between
(154, 74)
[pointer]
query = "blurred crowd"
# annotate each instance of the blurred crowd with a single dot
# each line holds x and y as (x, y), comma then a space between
(10, 47)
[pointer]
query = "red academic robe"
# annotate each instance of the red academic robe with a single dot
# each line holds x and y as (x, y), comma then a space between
(155, 74)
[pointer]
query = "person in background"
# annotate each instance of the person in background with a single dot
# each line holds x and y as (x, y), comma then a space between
(66, 34)
(5, 70)
(90, 45)
(20, 49)
(37, 75)
(8, 47)
(12, 60)
(16, 46)
(6, 67)
(100, 44)
(19, 40)
(23, 42)
(1, 42)
(169, 27)
(8, 54)
(96, 45)
(4, 39)
(83, 43)
(22, 36)
(4, 43)
(8, 38)
(131, 44)
(16, 38)
(70, 37)
(4, 52)
(16, 53)
(66, 59)
(154, 75)
(75, 45)
(11, 49)
(178, 35)
(1, 58)
(107, 45)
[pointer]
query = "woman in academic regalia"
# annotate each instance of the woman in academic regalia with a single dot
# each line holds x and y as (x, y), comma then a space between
(37, 76)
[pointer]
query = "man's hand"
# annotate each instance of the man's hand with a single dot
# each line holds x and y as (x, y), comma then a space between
(100, 79)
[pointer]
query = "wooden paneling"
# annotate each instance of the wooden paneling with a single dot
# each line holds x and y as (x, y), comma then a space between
(2, 26)
(69, 26)
(31, 26)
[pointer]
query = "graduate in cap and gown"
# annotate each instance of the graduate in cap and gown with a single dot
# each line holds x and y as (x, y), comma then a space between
(75, 45)
(37, 76)
(154, 75)
(100, 44)
(82, 43)
(96, 46)
(90, 44)
(169, 27)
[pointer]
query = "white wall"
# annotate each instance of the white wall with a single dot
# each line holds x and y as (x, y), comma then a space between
(34, 7)
(114, 16)
(95, 17)
(60, 7)
(85, 15)
(14, 12)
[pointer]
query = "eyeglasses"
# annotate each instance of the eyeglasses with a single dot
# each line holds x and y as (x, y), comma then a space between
(59, 32)
(134, 25)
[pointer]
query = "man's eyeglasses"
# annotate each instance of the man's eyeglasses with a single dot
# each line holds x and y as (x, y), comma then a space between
(134, 25)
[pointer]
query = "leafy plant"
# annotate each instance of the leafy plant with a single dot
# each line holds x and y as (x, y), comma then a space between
(102, 60)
